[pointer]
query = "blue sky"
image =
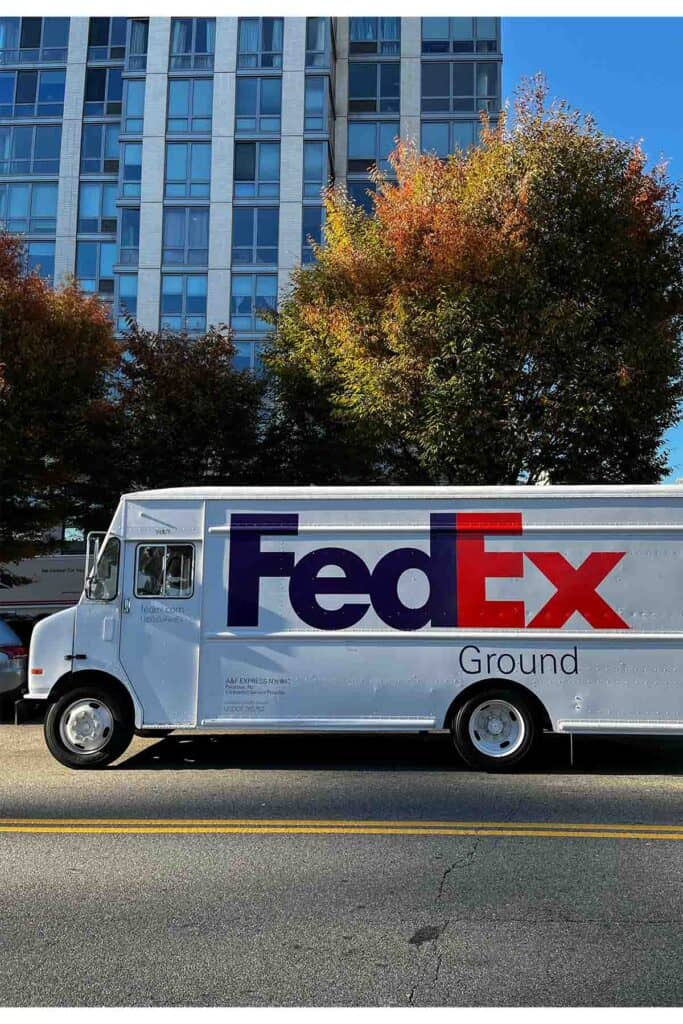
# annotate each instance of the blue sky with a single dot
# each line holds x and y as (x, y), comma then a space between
(627, 72)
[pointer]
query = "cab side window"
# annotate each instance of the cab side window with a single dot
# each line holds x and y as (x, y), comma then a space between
(164, 570)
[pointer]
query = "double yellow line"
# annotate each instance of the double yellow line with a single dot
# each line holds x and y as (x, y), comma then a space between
(306, 826)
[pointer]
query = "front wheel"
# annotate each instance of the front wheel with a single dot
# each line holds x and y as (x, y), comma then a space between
(88, 727)
(495, 730)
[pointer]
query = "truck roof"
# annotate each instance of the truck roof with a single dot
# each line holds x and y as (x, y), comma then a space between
(384, 493)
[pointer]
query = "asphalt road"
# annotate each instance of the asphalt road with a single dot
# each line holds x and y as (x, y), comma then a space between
(279, 903)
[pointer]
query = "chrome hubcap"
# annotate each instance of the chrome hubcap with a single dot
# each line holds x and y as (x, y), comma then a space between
(86, 726)
(496, 728)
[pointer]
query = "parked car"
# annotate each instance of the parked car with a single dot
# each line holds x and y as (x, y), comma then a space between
(13, 661)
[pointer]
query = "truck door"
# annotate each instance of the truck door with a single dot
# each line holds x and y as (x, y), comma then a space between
(160, 616)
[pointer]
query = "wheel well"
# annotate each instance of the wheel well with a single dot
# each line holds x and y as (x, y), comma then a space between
(74, 680)
(482, 685)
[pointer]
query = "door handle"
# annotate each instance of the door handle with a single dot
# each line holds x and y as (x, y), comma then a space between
(126, 604)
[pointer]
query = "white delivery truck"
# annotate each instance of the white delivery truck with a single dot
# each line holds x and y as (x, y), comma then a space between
(494, 613)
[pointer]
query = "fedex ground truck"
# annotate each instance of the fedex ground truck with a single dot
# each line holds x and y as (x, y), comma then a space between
(494, 613)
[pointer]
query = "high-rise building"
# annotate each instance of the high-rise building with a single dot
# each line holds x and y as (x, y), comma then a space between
(175, 165)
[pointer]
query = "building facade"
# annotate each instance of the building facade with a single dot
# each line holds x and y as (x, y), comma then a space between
(175, 165)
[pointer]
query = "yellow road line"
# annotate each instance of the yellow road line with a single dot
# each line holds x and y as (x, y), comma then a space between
(344, 823)
(312, 827)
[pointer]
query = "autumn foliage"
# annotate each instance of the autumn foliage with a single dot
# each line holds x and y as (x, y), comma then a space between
(512, 313)
(56, 354)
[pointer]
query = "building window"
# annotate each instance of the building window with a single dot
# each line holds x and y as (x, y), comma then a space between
(374, 87)
(193, 42)
(258, 104)
(33, 40)
(443, 137)
(32, 93)
(460, 35)
(255, 234)
(252, 296)
(137, 46)
(244, 355)
(188, 170)
(317, 40)
(186, 236)
(316, 168)
(257, 169)
(190, 104)
(183, 303)
(103, 91)
(28, 208)
(375, 35)
(134, 106)
(317, 103)
(459, 87)
(311, 231)
(127, 299)
(30, 149)
(95, 266)
(362, 194)
(100, 149)
(106, 39)
(40, 257)
(131, 179)
(370, 143)
(260, 43)
(97, 208)
(129, 248)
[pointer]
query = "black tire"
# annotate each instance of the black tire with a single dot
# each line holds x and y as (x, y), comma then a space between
(523, 712)
(117, 739)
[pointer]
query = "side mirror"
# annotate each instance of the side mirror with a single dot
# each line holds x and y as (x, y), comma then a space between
(94, 589)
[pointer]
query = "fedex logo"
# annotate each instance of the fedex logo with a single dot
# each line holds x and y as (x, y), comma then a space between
(457, 568)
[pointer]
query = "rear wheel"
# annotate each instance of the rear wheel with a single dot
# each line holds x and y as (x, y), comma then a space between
(495, 730)
(88, 727)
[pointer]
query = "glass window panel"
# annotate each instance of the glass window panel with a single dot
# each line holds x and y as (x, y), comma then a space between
(462, 134)
(196, 295)
(267, 230)
(7, 79)
(89, 203)
(269, 161)
(245, 161)
(95, 84)
(243, 226)
(315, 94)
(271, 93)
(48, 141)
(171, 293)
(130, 228)
(435, 79)
(463, 80)
(435, 28)
(178, 97)
(242, 357)
(135, 97)
(362, 80)
(181, 35)
(246, 96)
(41, 257)
(202, 101)
(435, 138)
(107, 258)
(98, 32)
(18, 201)
(111, 142)
(176, 161)
(9, 33)
(362, 136)
(388, 130)
(174, 227)
(198, 228)
(44, 201)
(27, 83)
(55, 32)
(51, 89)
(487, 77)
(86, 259)
(200, 163)
(109, 191)
(363, 30)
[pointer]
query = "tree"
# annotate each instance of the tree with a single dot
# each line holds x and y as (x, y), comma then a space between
(511, 314)
(185, 414)
(56, 354)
